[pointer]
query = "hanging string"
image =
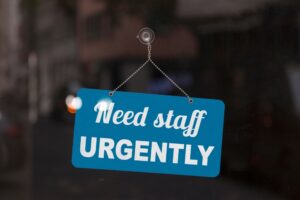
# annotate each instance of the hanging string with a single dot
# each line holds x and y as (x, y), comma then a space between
(149, 47)
(132, 75)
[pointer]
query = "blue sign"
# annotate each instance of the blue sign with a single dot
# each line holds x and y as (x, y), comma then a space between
(148, 133)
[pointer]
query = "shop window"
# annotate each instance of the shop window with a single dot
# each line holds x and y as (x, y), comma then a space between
(97, 26)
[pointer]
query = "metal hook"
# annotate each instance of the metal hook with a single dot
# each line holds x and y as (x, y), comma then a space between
(146, 36)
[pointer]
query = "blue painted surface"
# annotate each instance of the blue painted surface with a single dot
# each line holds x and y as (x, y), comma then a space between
(210, 132)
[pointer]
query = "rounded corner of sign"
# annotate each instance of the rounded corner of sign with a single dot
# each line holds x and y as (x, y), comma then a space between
(80, 91)
(215, 175)
(74, 164)
(221, 102)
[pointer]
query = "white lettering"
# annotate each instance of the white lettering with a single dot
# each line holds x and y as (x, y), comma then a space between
(188, 159)
(205, 154)
(102, 109)
(106, 145)
(127, 151)
(176, 148)
(139, 150)
(143, 116)
(92, 151)
(118, 114)
(160, 153)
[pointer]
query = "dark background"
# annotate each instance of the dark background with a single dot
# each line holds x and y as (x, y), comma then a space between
(243, 52)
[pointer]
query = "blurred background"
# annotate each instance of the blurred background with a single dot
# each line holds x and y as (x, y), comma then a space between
(246, 53)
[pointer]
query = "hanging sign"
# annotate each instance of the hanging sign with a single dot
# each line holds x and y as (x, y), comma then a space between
(148, 133)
